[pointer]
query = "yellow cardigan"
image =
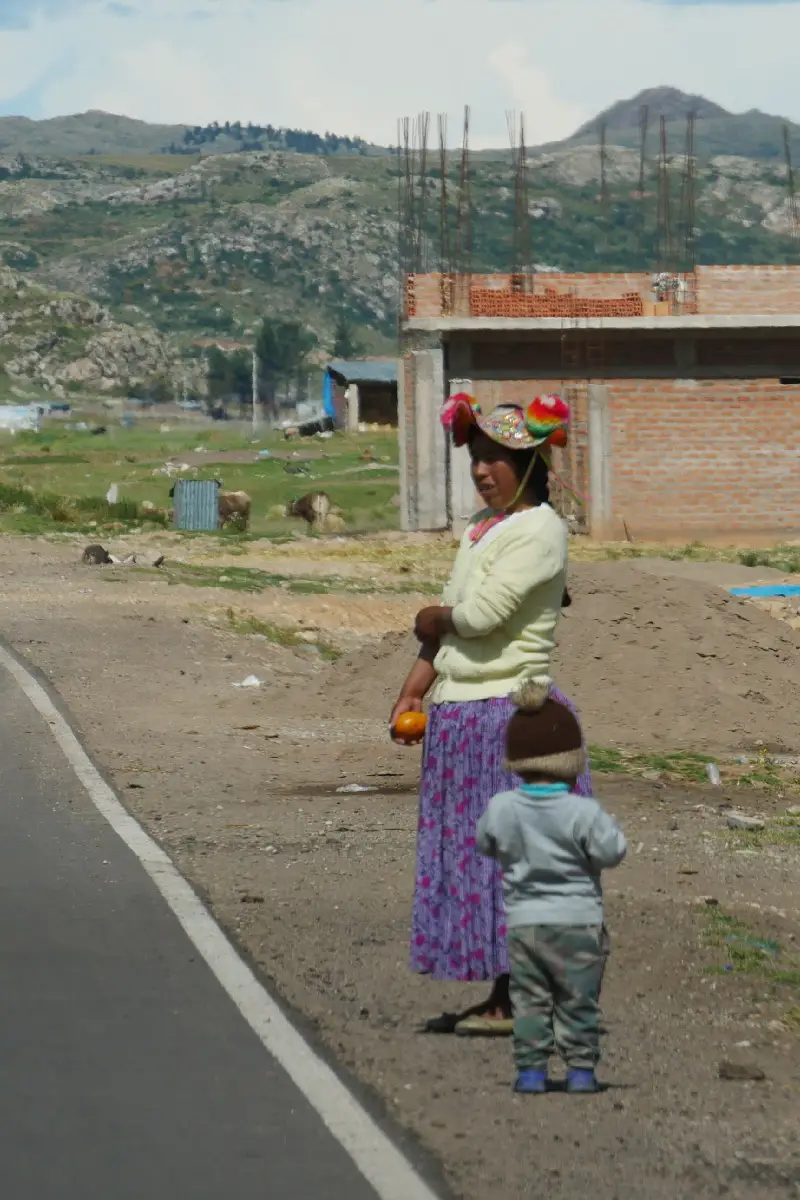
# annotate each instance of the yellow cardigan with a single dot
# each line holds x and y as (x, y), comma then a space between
(506, 592)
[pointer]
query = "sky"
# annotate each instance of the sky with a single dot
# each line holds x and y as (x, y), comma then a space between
(355, 66)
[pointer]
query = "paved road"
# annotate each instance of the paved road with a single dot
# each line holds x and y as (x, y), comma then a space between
(126, 1072)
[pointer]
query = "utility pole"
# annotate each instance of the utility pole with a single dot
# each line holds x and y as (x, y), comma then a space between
(603, 135)
(794, 215)
(255, 393)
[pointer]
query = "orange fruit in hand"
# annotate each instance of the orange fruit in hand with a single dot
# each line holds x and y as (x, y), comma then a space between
(410, 725)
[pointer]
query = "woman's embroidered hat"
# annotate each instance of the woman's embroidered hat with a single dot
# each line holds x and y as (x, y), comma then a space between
(544, 420)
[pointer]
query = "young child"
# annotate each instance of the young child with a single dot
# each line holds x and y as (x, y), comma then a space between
(552, 846)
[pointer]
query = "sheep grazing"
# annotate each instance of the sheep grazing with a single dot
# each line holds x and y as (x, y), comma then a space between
(234, 508)
(314, 508)
(96, 556)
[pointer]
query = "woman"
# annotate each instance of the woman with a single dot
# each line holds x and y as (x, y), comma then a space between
(493, 630)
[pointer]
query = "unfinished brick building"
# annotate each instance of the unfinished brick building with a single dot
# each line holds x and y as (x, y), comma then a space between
(686, 397)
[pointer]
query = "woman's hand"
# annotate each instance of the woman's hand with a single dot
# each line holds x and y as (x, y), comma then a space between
(421, 679)
(433, 623)
(405, 704)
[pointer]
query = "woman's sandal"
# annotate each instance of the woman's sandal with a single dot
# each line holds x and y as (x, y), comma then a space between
(477, 1026)
(473, 1022)
(446, 1023)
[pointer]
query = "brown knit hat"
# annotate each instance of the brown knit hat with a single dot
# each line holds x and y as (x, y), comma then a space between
(543, 737)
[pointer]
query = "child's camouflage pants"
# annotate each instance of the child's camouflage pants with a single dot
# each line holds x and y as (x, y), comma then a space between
(556, 974)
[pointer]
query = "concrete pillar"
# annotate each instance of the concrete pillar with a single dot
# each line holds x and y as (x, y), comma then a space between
(353, 407)
(405, 438)
(463, 500)
(600, 470)
(423, 447)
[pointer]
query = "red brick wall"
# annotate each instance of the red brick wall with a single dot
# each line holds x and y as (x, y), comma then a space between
(491, 302)
(716, 460)
(694, 459)
(722, 291)
(759, 291)
(424, 292)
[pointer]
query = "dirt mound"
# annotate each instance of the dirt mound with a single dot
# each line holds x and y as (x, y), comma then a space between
(368, 680)
(650, 662)
(673, 663)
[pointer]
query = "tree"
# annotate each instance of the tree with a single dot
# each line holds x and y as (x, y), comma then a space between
(160, 389)
(217, 374)
(282, 349)
(345, 342)
(229, 377)
(241, 378)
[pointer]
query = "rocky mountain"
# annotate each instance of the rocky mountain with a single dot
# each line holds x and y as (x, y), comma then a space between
(752, 134)
(718, 132)
(661, 101)
(85, 133)
(149, 258)
(61, 343)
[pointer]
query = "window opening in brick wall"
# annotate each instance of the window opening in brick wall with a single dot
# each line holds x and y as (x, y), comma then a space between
(749, 352)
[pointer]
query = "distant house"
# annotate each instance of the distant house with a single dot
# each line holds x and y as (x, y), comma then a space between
(367, 390)
(14, 418)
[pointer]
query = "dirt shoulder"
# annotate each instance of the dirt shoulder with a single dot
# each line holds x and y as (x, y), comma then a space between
(242, 788)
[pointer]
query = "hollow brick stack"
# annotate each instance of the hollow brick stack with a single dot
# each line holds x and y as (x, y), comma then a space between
(492, 302)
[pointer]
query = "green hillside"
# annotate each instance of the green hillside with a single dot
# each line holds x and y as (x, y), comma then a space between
(207, 247)
(751, 134)
(98, 132)
(187, 247)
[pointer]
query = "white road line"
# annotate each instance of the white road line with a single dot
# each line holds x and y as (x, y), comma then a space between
(378, 1160)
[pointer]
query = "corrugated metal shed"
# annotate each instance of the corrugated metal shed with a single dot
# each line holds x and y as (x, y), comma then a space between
(375, 370)
(196, 504)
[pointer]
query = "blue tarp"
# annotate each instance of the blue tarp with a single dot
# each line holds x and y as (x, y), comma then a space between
(327, 396)
(778, 589)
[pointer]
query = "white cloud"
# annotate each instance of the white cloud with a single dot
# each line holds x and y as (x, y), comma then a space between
(16, 14)
(548, 115)
(150, 78)
(355, 66)
(20, 67)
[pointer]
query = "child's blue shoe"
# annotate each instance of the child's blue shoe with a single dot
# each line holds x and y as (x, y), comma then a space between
(531, 1082)
(582, 1082)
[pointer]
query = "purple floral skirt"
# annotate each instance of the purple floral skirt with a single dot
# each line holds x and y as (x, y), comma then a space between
(458, 929)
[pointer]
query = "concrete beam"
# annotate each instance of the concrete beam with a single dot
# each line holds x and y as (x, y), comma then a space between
(763, 371)
(584, 325)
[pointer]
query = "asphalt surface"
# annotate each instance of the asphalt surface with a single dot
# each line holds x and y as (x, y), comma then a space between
(126, 1072)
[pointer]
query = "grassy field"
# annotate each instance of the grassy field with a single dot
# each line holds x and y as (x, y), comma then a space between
(68, 473)
(755, 773)
(56, 481)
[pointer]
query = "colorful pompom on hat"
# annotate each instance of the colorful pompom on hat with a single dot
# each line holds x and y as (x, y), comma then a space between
(544, 421)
